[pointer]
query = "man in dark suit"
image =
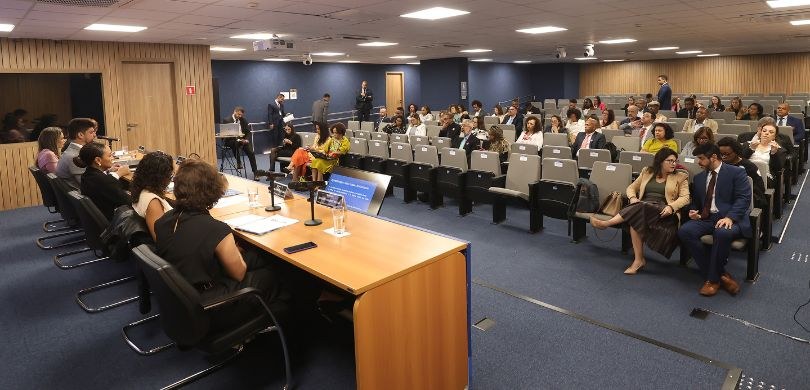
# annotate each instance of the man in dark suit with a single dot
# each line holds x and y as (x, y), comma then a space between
(719, 207)
(783, 118)
(664, 93)
(589, 139)
(242, 142)
(513, 117)
(320, 109)
(689, 109)
(450, 129)
(382, 118)
(363, 102)
(275, 120)
(468, 141)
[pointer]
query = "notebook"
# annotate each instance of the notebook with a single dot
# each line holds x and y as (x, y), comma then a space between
(265, 225)
(230, 130)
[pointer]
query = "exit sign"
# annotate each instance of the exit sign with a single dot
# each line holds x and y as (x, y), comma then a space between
(191, 90)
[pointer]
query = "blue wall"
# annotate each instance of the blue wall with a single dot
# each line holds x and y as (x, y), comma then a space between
(254, 84)
(441, 82)
(492, 82)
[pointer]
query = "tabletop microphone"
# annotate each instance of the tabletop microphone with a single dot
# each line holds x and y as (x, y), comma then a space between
(104, 137)
(305, 185)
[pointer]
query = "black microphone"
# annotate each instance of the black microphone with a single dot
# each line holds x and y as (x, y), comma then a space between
(104, 137)
(268, 174)
(305, 185)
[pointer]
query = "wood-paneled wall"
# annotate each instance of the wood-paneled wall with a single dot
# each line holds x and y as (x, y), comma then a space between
(37, 93)
(192, 66)
(778, 73)
(17, 185)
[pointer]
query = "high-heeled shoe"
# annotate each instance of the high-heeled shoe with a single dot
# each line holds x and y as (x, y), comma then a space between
(632, 269)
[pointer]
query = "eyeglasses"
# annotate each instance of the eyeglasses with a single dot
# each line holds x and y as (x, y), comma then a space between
(671, 161)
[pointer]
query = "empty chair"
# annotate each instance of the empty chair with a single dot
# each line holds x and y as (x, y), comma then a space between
(416, 140)
(377, 156)
(307, 138)
(361, 134)
(608, 178)
(679, 122)
(432, 131)
(555, 139)
(563, 152)
(557, 188)
(727, 116)
(50, 202)
(367, 126)
(485, 169)
(398, 167)
(637, 160)
(683, 138)
(630, 144)
(357, 153)
(450, 178)
(524, 148)
(441, 142)
(587, 157)
(422, 174)
(510, 135)
(752, 125)
(353, 125)
(519, 186)
(379, 136)
(610, 134)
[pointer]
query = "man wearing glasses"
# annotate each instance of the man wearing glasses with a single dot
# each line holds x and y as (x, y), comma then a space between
(513, 117)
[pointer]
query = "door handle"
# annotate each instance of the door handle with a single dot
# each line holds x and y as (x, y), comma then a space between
(131, 125)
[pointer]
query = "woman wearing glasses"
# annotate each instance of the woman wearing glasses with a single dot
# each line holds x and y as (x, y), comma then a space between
(655, 198)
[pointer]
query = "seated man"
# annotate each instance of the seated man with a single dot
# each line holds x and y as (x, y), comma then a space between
(383, 118)
(652, 108)
(783, 118)
(589, 139)
(513, 117)
(719, 207)
(731, 153)
(467, 141)
(701, 120)
(689, 110)
(450, 129)
(80, 132)
(241, 143)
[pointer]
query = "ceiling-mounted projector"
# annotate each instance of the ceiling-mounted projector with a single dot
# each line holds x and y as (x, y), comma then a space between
(274, 43)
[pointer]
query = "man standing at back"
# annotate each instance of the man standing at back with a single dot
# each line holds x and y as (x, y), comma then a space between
(720, 202)
(80, 132)
(275, 120)
(363, 102)
(664, 93)
(320, 109)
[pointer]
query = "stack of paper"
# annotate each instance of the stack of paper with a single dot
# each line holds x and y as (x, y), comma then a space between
(256, 224)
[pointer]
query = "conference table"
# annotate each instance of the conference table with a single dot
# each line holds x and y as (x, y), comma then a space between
(411, 312)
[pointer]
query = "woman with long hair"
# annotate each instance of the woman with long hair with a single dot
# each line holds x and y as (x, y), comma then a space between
(334, 147)
(51, 140)
(149, 183)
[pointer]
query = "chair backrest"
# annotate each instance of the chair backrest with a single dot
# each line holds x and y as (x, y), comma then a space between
(523, 169)
(555, 139)
(359, 146)
(91, 218)
(510, 135)
(307, 138)
(507, 127)
(491, 120)
(367, 126)
(354, 125)
(720, 136)
(752, 125)
(684, 138)
(456, 158)
(763, 171)
(560, 170)
(432, 131)
(378, 136)
(637, 160)
(426, 154)
(399, 138)
(362, 134)
(630, 144)
(587, 157)
(678, 122)
(481, 160)
(48, 197)
(60, 190)
(610, 177)
(181, 314)
(416, 140)
(727, 116)
(378, 149)
(524, 148)
(440, 142)
(691, 165)
(610, 133)
(563, 152)
(401, 151)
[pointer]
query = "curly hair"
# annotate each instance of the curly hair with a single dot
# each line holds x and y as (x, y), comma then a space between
(198, 186)
(668, 132)
(339, 128)
(153, 174)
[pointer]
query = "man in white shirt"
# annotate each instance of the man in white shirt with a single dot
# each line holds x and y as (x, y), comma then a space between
(653, 107)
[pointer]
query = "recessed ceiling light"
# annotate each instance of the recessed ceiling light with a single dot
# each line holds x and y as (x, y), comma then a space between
(585, 58)
(541, 30)
(377, 44)
(482, 60)
(6, 27)
(254, 36)
(220, 48)
(277, 59)
(787, 3)
(114, 27)
(328, 54)
(800, 22)
(412, 63)
(522, 62)
(689, 52)
(620, 40)
(475, 51)
(613, 61)
(708, 55)
(664, 48)
(402, 57)
(434, 13)
(349, 62)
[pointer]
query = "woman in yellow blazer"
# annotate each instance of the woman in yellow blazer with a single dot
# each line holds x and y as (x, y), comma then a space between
(336, 146)
(655, 198)
(663, 137)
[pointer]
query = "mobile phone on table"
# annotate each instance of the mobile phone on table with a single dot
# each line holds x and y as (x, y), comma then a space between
(300, 247)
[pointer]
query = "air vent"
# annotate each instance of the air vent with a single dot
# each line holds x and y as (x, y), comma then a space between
(82, 3)
(440, 44)
(322, 38)
(357, 37)
(775, 17)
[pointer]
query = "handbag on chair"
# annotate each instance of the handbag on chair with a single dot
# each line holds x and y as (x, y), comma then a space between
(612, 204)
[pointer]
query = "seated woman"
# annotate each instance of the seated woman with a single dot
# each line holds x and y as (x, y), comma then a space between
(397, 126)
(336, 146)
(655, 198)
(716, 104)
(148, 188)
(532, 134)
(700, 137)
(12, 130)
(575, 124)
(425, 114)
(598, 103)
(608, 120)
(301, 157)
(556, 125)
(663, 137)
(587, 107)
(289, 144)
(755, 112)
(416, 127)
(736, 107)
(767, 150)
(496, 143)
(101, 187)
(497, 111)
(51, 140)
(676, 104)
(205, 252)
(480, 130)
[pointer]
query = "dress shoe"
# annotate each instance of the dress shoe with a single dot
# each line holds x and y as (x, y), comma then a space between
(709, 288)
(634, 268)
(728, 284)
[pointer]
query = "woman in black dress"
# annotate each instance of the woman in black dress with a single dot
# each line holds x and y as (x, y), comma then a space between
(98, 183)
(655, 198)
(289, 144)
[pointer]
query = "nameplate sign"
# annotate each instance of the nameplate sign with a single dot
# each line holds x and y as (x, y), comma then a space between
(328, 199)
(282, 191)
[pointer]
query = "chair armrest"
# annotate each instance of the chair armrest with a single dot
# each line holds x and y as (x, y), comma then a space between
(231, 297)
(755, 215)
(499, 181)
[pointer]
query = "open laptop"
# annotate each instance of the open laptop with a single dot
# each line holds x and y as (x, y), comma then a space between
(230, 130)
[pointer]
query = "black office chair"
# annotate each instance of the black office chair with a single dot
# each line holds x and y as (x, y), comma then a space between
(186, 318)
(94, 224)
(49, 201)
(63, 207)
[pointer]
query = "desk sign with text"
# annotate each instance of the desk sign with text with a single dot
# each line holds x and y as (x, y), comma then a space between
(282, 191)
(328, 199)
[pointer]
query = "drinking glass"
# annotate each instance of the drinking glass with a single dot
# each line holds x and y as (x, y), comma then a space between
(253, 197)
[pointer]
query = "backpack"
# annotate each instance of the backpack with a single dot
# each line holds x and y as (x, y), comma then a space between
(614, 152)
(588, 201)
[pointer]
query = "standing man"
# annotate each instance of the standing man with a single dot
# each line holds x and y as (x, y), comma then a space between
(275, 120)
(664, 93)
(241, 143)
(363, 103)
(783, 118)
(320, 109)
(719, 207)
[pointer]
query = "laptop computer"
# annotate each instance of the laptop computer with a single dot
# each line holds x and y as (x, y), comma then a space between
(230, 130)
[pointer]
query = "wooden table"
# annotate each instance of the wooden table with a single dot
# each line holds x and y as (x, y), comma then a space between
(411, 313)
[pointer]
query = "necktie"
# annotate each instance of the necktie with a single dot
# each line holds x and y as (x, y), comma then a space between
(781, 121)
(586, 143)
(463, 142)
(707, 202)
(509, 121)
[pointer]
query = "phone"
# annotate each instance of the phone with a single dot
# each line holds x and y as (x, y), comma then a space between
(300, 247)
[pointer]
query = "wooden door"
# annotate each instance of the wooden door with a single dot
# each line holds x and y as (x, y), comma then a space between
(394, 91)
(149, 107)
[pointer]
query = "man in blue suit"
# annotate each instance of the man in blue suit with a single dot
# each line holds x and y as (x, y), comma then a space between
(783, 118)
(721, 198)
(664, 93)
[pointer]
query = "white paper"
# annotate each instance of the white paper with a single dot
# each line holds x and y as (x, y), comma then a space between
(689, 159)
(558, 164)
(265, 225)
(610, 168)
(230, 201)
(243, 219)
(524, 158)
(399, 147)
(521, 147)
(424, 149)
(636, 158)
(331, 231)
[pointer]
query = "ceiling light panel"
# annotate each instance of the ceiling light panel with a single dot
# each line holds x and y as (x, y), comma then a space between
(787, 3)
(226, 49)
(664, 48)
(6, 27)
(114, 27)
(435, 13)
(475, 51)
(328, 54)
(541, 30)
(689, 52)
(617, 41)
(377, 44)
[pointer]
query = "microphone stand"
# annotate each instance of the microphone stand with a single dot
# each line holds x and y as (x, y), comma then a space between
(272, 189)
(313, 221)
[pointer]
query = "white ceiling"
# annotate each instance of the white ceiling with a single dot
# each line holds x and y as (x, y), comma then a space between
(727, 27)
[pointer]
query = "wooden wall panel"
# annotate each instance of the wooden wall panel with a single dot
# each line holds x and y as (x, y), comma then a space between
(778, 73)
(191, 64)
(17, 186)
(37, 93)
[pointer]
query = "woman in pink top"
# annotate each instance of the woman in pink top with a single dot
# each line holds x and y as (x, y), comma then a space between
(51, 141)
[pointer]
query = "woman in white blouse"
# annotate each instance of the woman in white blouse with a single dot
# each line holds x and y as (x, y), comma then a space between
(574, 124)
(425, 114)
(415, 126)
(533, 133)
(149, 184)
